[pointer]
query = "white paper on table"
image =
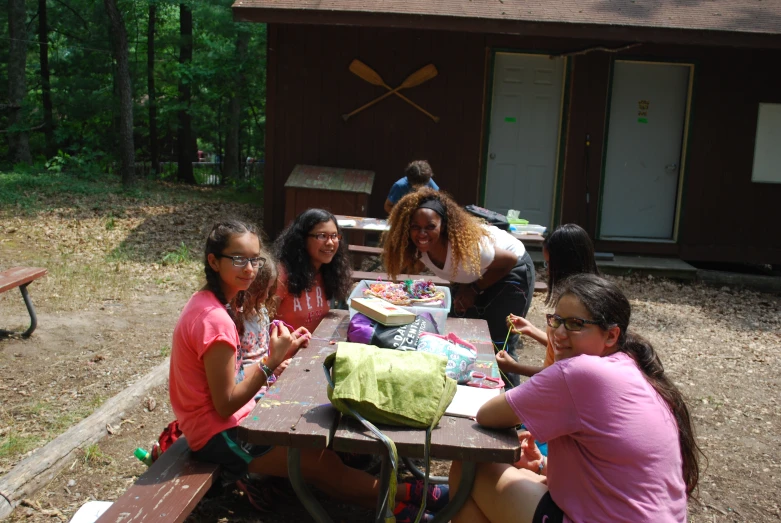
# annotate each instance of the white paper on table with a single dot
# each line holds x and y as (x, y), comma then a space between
(377, 226)
(468, 401)
(347, 223)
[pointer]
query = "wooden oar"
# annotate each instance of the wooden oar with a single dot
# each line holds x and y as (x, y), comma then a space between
(420, 76)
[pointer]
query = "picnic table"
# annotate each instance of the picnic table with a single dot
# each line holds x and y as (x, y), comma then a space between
(362, 224)
(295, 413)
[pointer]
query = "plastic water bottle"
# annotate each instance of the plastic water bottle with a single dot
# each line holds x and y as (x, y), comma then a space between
(144, 456)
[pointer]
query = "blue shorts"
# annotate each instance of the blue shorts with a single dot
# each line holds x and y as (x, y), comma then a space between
(232, 455)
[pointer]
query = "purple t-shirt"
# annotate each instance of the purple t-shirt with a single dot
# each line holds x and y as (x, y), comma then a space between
(613, 441)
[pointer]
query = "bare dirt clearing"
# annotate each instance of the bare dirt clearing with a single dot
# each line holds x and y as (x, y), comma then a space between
(109, 304)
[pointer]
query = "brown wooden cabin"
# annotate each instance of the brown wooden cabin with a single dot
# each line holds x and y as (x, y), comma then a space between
(654, 125)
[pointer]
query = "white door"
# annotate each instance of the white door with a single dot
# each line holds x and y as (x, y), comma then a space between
(644, 141)
(524, 135)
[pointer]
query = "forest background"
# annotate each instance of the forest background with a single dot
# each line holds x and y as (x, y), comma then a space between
(134, 88)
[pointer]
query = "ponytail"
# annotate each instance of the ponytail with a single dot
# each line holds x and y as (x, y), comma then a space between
(644, 355)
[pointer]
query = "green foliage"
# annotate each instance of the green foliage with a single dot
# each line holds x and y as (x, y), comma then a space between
(85, 98)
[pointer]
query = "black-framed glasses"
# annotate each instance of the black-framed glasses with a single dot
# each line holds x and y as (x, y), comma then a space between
(323, 237)
(570, 324)
(242, 261)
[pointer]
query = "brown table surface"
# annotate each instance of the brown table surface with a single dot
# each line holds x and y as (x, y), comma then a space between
(295, 412)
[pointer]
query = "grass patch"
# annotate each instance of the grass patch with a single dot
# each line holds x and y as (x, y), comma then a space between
(181, 255)
(15, 445)
(94, 456)
(165, 351)
(27, 192)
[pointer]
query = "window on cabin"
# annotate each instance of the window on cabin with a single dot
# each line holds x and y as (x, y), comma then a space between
(767, 147)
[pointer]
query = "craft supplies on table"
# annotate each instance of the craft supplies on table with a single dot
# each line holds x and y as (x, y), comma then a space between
(438, 308)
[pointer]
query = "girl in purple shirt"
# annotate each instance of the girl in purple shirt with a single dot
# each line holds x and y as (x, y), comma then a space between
(620, 435)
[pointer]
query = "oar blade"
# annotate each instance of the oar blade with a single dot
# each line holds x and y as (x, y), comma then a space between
(424, 74)
(365, 72)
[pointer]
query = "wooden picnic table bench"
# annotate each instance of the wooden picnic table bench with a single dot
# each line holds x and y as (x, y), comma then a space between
(168, 491)
(21, 277)
(296, 412)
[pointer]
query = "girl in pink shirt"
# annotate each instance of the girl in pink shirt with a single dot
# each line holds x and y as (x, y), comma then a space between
(210, 404)
(620, 435)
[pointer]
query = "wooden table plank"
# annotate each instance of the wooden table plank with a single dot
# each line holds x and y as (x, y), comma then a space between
(455, 438)
(295, 412)
(18, 276)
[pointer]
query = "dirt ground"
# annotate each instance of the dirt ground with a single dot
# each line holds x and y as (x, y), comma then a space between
(107, 309)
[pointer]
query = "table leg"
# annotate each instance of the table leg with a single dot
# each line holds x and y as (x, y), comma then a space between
(33, 319)
(30, 309)
(384, 505)
(305, 496)
(468, 470)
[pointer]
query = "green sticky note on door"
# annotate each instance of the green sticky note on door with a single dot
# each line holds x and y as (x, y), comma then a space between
(509, 119)
(642, 120)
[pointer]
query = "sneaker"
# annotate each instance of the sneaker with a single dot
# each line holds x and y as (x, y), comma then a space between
(408, 513)
(437, 496)
(255, 496)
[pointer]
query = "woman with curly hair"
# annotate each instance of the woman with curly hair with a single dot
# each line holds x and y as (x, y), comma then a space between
(492, 272)
(314, 268)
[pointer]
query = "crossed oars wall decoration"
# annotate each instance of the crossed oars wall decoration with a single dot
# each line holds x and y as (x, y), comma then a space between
(420, 76)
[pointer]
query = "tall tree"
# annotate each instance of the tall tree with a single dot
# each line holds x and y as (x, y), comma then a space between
(232, 151)
(186, 151)
(154, 155)
(121, 55)
(46, 89)
(18, 143)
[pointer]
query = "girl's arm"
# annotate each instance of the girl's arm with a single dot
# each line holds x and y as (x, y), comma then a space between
(220, 364)
(508, 365)
(521, 325)
(497, 413)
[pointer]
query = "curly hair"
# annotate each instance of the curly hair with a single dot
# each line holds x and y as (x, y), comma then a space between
(290, 249)
(216, 242)
(399, 252)
(257, 296)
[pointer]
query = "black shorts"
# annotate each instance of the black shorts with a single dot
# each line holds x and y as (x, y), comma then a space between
(548, 511)
(232, 455)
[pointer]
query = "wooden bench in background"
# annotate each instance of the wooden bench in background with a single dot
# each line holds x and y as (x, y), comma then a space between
(21, 277)
(168, 491)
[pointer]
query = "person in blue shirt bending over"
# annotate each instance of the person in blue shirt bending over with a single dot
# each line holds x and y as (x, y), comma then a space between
(417, 174)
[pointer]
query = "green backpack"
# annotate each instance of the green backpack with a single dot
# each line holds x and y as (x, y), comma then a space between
(403, 388)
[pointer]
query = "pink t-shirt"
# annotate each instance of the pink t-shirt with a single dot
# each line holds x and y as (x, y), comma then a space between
(305, 310)
(203, 322)
(613, 442)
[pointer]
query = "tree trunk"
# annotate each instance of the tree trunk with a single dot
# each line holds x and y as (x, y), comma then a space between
(127, 153)
(186, 153)
(150, 82)
(18, 144)
(43, 39)
(233, 161)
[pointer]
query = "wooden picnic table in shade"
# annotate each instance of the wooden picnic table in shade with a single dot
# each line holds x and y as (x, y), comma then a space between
(296, 413)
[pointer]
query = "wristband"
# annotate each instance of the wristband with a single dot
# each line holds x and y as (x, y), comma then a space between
(265, 369)
(542, 466)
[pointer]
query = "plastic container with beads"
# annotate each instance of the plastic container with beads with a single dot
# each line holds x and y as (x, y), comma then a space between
(438, 310)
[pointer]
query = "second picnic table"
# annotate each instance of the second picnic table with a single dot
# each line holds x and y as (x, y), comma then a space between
(296, 413)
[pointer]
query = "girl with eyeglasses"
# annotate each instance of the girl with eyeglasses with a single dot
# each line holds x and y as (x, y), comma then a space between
(621, 437)
(314, 268)
(567, 250)
(492, 272)
(208, 402)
